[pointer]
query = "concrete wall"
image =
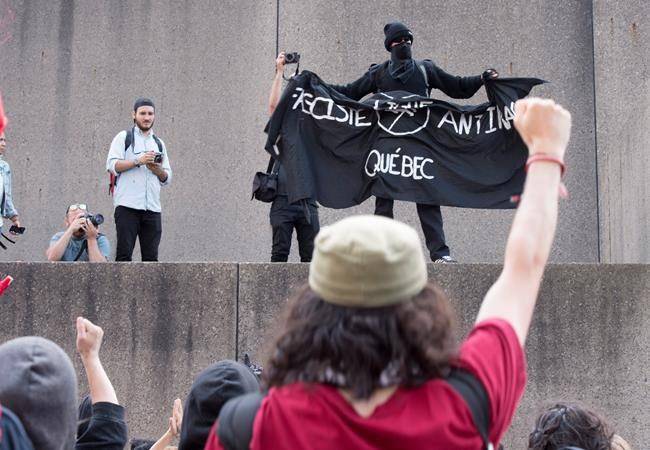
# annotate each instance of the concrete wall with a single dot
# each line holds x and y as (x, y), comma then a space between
(622, 57)
(71, 70)
(70, 74)
(165, 322)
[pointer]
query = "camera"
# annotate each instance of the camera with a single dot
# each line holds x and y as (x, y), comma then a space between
(157, 158)
(95, 219)
(292, 58)
(17, 230)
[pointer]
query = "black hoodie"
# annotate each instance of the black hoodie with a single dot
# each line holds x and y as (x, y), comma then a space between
(39, 384)
(12, 433)
(101, 426)
(210, 391)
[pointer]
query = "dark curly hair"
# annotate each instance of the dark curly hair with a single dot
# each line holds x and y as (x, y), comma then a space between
(566, 425)
(363, 349)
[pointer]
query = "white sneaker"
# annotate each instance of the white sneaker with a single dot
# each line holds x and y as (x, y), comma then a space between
(445, 260)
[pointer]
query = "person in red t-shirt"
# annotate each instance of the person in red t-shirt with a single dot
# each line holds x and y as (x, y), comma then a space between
(367, 347)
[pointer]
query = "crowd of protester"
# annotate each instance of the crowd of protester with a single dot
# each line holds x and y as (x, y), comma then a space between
(366, 358)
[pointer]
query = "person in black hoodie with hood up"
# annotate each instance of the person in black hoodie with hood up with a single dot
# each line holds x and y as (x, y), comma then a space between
(402, 73)
(217, 384)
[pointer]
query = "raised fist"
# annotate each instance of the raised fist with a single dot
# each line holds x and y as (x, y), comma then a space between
(544, 126)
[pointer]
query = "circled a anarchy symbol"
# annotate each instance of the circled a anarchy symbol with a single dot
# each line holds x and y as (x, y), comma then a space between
(409, 119)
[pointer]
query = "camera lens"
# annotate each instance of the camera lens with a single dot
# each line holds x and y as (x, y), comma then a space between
(97, 219)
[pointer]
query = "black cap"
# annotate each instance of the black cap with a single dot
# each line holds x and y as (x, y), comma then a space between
(142, 102)
(394, 31)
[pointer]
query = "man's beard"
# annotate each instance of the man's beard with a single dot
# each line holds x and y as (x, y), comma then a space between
(144, 127)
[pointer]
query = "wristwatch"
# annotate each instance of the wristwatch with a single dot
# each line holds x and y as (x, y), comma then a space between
(137, 163)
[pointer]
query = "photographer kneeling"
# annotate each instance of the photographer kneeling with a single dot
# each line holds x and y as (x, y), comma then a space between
(81, 241)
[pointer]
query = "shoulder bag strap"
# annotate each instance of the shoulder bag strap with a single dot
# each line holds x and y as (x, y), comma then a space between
(474, 394)
(423, 69)
(84, 246)
(272, 166)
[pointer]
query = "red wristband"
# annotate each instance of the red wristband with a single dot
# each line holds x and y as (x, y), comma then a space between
(547, 158)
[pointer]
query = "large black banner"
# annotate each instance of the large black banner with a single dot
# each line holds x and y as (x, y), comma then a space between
(398, 145)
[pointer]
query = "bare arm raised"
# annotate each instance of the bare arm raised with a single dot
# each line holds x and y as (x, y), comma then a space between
(545, 127)
(276, 87)
(89, 341)
(174, 430)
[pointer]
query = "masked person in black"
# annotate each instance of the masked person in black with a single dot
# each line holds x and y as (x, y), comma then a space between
(403, 73)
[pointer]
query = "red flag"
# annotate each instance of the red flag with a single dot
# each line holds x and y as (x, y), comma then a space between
(3, 119)
(4, 284)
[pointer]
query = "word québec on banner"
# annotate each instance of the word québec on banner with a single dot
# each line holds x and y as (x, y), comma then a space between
(398, 145)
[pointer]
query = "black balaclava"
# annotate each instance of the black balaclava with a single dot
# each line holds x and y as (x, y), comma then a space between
(394, 31)
(401, 65)
(217, 384)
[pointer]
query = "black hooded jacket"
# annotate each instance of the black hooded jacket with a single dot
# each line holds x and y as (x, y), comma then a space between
(210, 391)
(12, 432)
(101, 426)
(378, 79)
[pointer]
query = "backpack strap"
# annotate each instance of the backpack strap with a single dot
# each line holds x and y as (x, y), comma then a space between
(423, 69)
(128, 140)
(235, 428)
(158, 143)
(474, 394)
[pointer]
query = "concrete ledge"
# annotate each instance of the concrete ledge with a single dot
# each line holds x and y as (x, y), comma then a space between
(165, 322)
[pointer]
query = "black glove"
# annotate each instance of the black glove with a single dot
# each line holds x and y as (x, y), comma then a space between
(489, 74)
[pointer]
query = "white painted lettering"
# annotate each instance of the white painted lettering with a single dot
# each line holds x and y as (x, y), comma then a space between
(448, 118)
(358, 119)
(465, 123)
(491, 128)
(389, 163)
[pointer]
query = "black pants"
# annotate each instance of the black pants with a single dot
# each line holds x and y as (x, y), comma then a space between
(136, 223)
(430, 220)
(284, 218)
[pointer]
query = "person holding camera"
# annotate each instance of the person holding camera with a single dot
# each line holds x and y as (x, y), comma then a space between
(139, 167)
(285, 216)
(6, 201)
(81, 241)
(402, 73)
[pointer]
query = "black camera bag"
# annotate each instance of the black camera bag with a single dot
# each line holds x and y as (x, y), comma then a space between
(265, 184)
